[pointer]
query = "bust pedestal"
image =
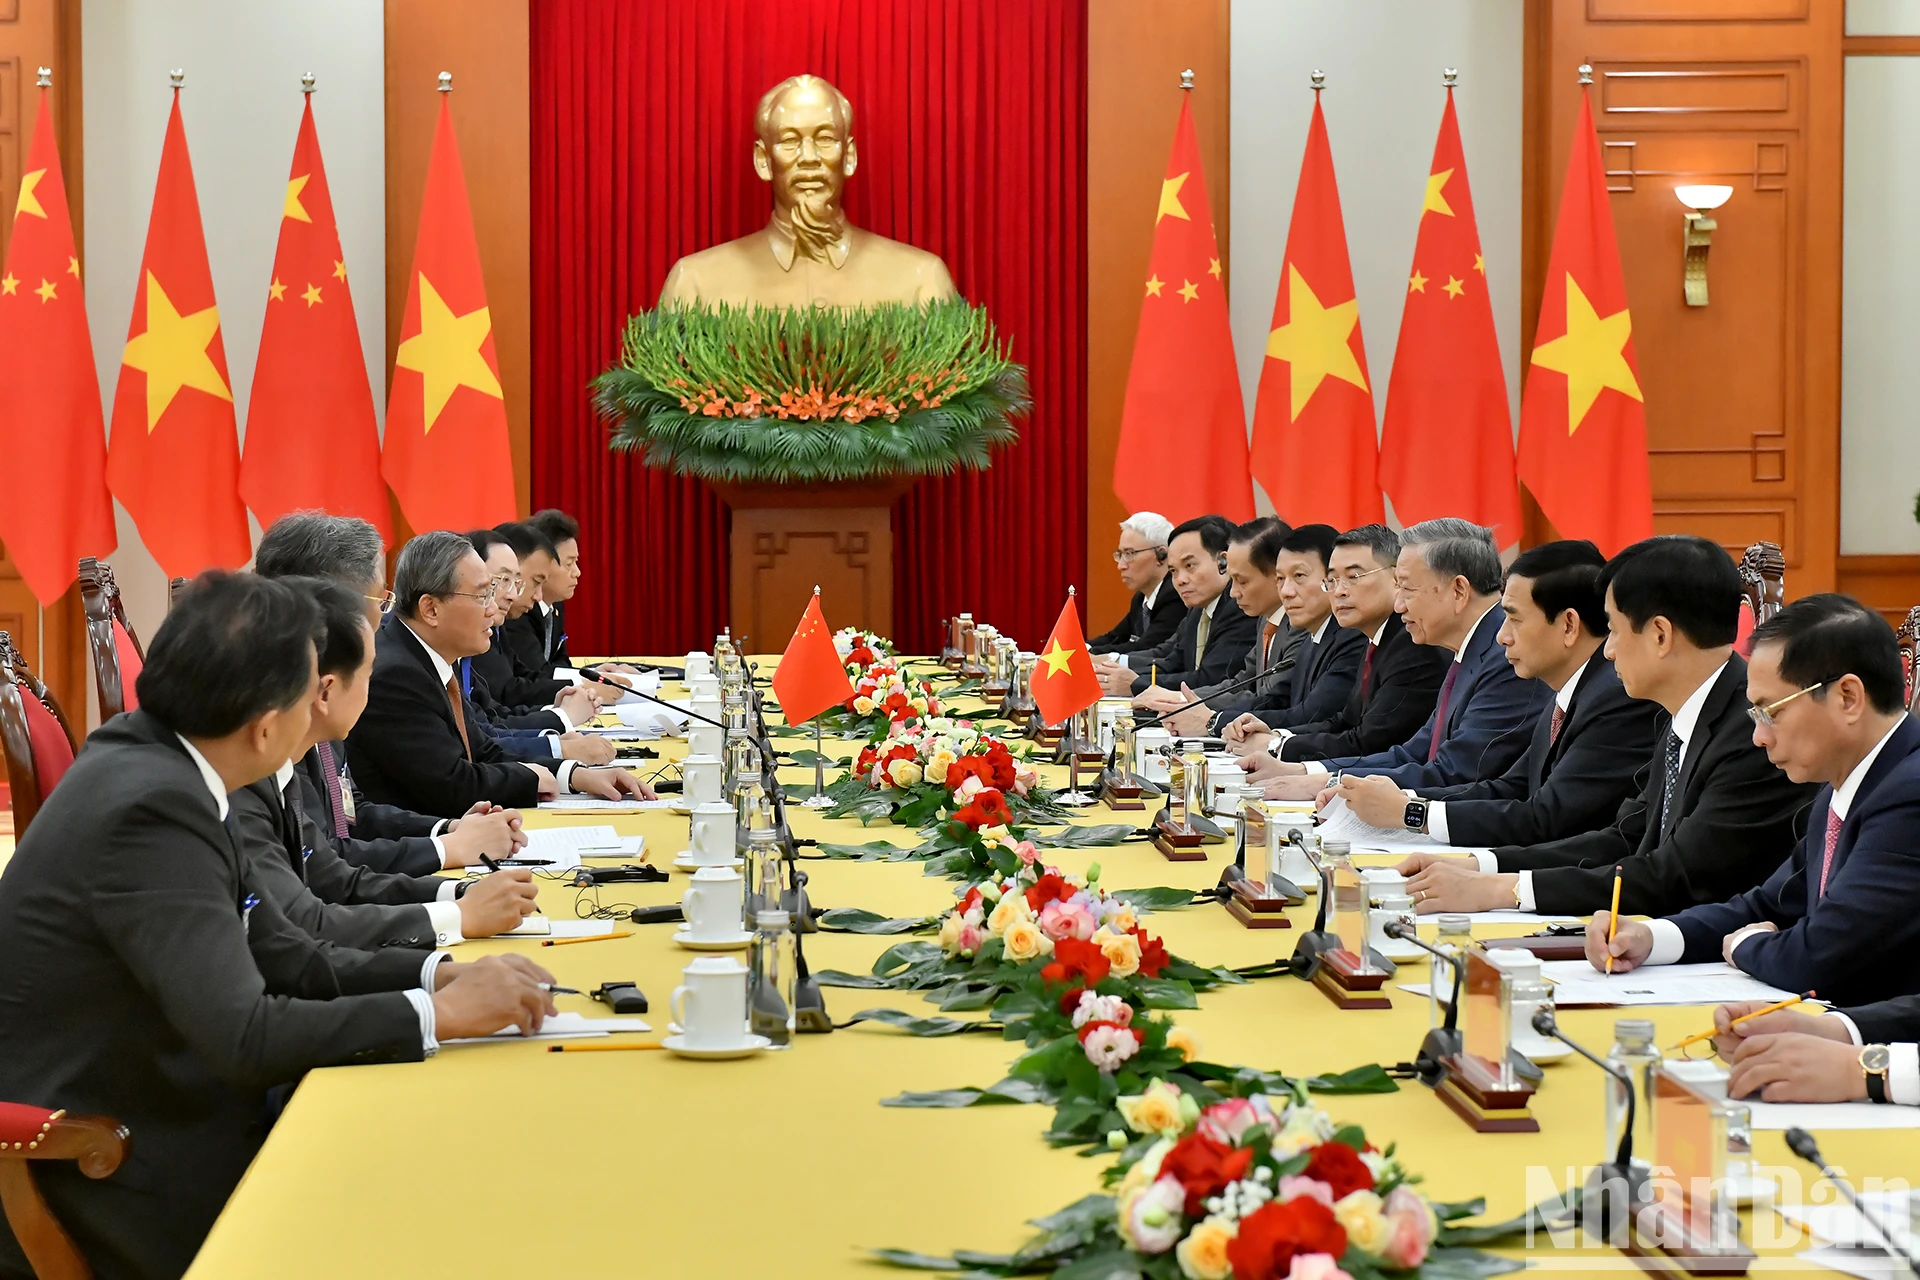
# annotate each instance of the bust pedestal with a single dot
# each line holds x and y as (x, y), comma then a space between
(788, 538)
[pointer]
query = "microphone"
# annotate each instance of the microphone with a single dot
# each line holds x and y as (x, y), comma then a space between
(593, 675)
(1620, 1186)
(809, 1004)
(1801, 1143)
(1235, 687)
(1445, 1040)
(1306, 952)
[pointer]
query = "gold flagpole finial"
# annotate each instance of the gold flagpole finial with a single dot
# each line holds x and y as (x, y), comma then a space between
(1319, 79)
(1186, 78)
(1586, 73)
(46, 78)
(1450, 77)
(446, 82)
(178, 75)
(306, 84)
(1071, 590)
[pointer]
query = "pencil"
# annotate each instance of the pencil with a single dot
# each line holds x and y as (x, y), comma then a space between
(1775, 1007)
(580, 1046)
(1613, 918)
(598, 937)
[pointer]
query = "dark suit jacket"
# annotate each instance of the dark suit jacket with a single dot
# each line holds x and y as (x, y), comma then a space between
(1489, 719)
(140, 986)
(1566, 785)
(1320, 683)
(1144, 628)
(1397, 696)
(1861, 942)
(1229, 635)
(538, 643)
(520, 694)
(406, 748)
(410, 852)
(1732, 824)
(1272, 663)
(1888, 1021)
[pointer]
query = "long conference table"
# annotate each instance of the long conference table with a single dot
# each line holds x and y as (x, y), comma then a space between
(507, 1160)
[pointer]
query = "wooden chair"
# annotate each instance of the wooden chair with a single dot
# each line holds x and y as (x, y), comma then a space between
(96, 1143)
(1909, 633)
(117, 655)
(34, 736)
(1763, 573)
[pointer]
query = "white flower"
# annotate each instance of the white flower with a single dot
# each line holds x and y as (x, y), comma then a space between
(1098, 1008)
(1108, 1047)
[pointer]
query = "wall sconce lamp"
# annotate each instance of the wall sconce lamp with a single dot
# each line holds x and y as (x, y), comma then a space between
(1698, 235)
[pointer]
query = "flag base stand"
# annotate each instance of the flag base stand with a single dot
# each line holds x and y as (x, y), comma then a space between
(1342, 979)
(1073, 797)
(819, 799)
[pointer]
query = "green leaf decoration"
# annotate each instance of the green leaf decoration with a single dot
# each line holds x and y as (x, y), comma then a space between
(1467, 1264)
(1167, 993)
(1159, 898)
(856, 920)
(1007, 1093)
(871, 851)
(903, 1021)
(1372, 1078)
(1098, 837)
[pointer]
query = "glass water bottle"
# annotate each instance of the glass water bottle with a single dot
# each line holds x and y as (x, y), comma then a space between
(762, 871)
(1455, 936)
(771, 975)
(1634, 1054)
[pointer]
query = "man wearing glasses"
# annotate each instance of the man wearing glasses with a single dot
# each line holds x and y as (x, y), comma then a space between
(1825, 693)
(1156, 610)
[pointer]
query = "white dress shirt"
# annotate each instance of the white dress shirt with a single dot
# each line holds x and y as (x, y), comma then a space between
(1280, 736)
(420, 998)
(1903, 1072)
(444, 671)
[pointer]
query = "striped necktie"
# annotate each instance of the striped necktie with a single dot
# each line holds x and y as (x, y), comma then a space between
(1440, 712)
(330, 774)
(1200, 639)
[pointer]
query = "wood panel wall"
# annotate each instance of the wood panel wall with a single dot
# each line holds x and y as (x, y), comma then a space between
(1136, 50)
(1743, 395)
(34, 34)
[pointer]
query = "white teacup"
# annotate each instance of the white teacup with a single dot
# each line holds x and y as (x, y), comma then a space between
(710, 1005)
(703, 686)
(710, 834)
(705, 739)
(715, 905)
(698, 665)
(1382, 882)
(1150, 745)
(700, 779)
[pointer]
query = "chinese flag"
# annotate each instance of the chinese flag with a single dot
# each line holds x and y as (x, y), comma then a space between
(446, 452)
(1063, 679)
(1583, 427)
(174, 459)
(311, 437)
(56, 507)
(810, 678)
(1183, 428)
(1447, 446)
(1315, 448)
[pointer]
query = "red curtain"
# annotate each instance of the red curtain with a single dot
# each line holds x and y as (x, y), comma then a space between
(970, 120)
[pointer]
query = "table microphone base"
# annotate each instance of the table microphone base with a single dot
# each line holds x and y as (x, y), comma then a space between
(1342, 977)
(1488, 1105)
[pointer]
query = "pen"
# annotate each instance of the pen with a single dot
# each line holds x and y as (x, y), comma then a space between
(598, 937)
(1613, 918)
(489, 863)
(560, 991)
(1775, 1007)
(576, 1046)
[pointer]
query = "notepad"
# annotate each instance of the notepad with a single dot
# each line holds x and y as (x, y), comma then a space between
(594, 804)
(537, 926)
(1577, 982)
(560, 1026)
(565, 846)
(1338, 822)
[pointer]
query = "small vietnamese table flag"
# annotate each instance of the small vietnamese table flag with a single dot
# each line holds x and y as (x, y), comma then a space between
(1063, 680)
(51, 433)
(311, 437)
(174, 459)
(1583, 424)
(810, 678)
(446, 453)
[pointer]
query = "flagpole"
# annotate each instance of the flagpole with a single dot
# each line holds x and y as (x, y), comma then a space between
(1073, 797)
(819, 798)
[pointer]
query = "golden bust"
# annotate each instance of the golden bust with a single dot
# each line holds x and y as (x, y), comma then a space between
(809, 254)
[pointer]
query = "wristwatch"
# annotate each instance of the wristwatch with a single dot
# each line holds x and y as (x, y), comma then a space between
(1875, 1059)
(1415, 818)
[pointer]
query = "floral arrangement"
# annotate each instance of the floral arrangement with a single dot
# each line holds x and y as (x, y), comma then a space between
(1254, 1186)
(941, 768)
(809, 394)
(885, 695)
(861, 649)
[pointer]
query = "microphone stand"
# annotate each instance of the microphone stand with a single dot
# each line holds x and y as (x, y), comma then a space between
(1445, 1040)
(809, 1005)
(597, 678)
(1306, 952)
(1801, 1143)
(1235, 687)
(1615, 1190)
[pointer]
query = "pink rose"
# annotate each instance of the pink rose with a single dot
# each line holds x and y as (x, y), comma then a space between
(1152, 1222)
(1294, 1185)
(1066, 920)
(971, 937)
(1228, 1121)
(1316, 1266)
(1409, 1229)
(1107, 1046)
(1028, 854)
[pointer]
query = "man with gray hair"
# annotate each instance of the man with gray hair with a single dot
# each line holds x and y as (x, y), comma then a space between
(1156, 610)
(1447, 591)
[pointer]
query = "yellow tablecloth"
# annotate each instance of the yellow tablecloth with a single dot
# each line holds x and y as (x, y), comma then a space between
(507, 1160)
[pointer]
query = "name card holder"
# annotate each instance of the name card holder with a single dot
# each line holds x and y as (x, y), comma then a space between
(1174, 832)
(1481, 1085)
(1259, 899)
(1349, 973)
(1691, 1223)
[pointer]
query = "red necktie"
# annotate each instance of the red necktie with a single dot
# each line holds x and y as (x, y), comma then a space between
(1366, 672)
(459, 720)
(1553, 729)
(336, 803)
(1833, 842)
(1267, 634)
(1440, 712)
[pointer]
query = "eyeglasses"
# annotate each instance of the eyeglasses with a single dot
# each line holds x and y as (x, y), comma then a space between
(509, 582)
(385, 601)
(484, 597)
(1334, 581)
(1763, 716)
(1123, 554)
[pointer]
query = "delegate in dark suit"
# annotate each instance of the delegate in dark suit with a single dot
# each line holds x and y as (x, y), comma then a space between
(1395, 697)
(1563, 785)
(1888, 1021)
(1731, 824)
(1322, 680)
(525, 700)
(1230, 634)
(379, 837)
(1482, 722)
(1861, 941)
(1271, 659)
(140, 986)
(1144, 628)
(537, 640)
(407, 750)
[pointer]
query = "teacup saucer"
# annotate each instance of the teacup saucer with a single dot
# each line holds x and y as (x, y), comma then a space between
(746, 1048)
(685, 862)
(1402, 954)
(725, 942)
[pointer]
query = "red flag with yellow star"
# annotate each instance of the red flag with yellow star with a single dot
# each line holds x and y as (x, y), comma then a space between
(1583, 425)
(1315, 446)
(51, 432)
(1063, 679)
(311, 437)
(1446, 448)
(174, 458)
(1183, 388)
(810, 677)
(446, 452)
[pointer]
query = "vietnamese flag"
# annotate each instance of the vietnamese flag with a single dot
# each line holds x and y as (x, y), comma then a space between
(311, 437)
(446, 452)
(810, 678)
(174, 458)
(1447, 445)
(1183, 389)
(57, 508)
(1583, 425)
(1315, 446)
(1063, 680)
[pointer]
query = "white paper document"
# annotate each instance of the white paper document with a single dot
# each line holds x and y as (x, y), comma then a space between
(561, 1026)
(594, 804)
(538, 926)
(1815, 1116)
(1577, 982)
(563, 847)
(1868, 1264)
(1839, 1224)
(1338, 822)
(652, 717)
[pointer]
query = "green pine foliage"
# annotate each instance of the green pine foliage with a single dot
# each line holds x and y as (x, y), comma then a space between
(816, 394)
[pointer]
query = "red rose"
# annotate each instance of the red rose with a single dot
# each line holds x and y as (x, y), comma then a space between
(1340, 1167)
(864, 765)
(901, 752)
(969, 902)
(1000, 765)
(1272, 1235)
(1204, 1167)
(968, 767)
(1048, 888)
(861, 654)
(1153, 954)
(1073, 958)
(989, 808)
(1070, 998)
